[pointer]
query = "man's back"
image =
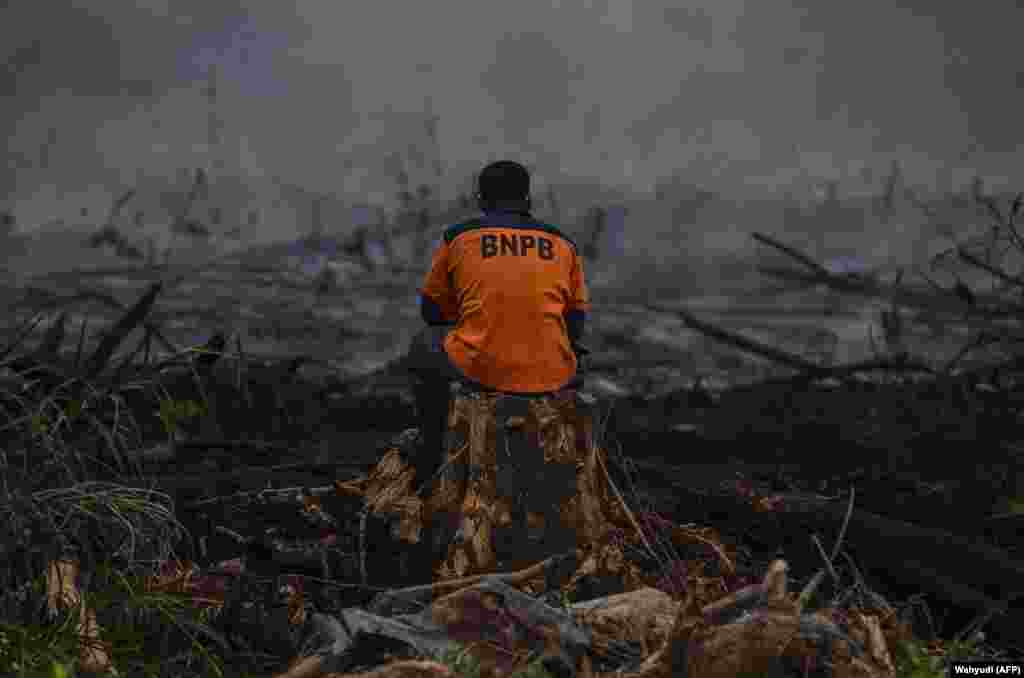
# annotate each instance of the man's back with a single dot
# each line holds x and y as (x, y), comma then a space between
(508, 282)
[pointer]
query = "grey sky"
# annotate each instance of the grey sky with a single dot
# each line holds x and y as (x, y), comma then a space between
(738, 95)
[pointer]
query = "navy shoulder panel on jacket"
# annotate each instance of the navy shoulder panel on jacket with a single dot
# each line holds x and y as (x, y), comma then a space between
(455, 230)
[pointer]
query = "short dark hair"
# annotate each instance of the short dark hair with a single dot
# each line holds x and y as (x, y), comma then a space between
(503, 181)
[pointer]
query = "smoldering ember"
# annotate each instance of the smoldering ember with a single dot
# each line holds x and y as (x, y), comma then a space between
(343, 344)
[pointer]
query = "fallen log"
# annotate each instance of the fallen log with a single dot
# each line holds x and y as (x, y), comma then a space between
(790, 360)
(997, 308)
(287, 495)
(931, 302)
(120, 330)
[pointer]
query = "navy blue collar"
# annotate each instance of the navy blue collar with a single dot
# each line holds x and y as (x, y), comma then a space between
(506, 217)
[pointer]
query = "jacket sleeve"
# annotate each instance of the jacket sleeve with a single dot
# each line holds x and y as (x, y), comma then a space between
(439, 302)
(579, 293)
(579, 300)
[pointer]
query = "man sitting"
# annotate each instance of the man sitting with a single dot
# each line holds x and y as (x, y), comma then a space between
(505, 303)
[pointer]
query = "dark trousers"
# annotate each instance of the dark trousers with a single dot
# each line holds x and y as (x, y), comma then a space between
(432, 374)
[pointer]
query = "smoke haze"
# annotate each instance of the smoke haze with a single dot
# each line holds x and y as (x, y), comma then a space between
(740, 96)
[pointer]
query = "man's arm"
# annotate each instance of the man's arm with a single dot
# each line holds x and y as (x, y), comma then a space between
(438, 304)
(579, 301)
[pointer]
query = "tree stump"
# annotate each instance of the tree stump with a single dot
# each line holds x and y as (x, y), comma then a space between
(523, 480)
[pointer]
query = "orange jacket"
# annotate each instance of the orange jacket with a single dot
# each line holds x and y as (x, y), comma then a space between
(507, 281)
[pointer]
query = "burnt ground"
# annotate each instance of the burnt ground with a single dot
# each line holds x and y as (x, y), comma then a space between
(686, 472)
(946, 461)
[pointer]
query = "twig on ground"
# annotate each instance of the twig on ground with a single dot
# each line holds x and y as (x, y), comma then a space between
(991, 270)
(126, 363)
(364, 516)
(792, 252)
(454, 586)
(984, 617)
(49, 346)
(264, 493)
(234, 536)
(135, 315)
(108, 300)
(81, 343)
(828, 561)
(629, 513)
(819, 576)
(980, 340)
(805, 595)
(861, 587)
(25, 330)
(846, 523)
